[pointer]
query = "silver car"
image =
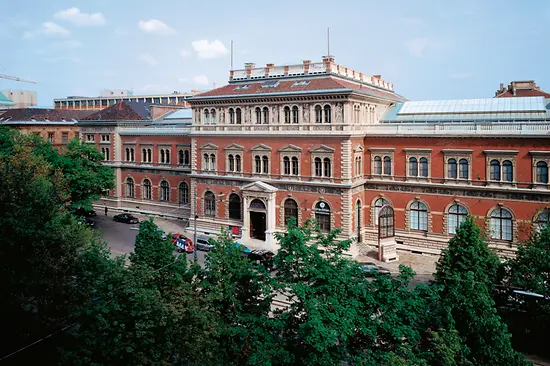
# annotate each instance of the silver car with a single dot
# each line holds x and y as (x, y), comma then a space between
(204, 244)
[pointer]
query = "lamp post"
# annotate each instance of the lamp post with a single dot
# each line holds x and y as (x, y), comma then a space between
(195, 258)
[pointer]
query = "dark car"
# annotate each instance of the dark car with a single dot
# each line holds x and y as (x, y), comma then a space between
(204, 244)
(126, 218)
(83, 212)
(86, 221)
(263, 257)
(370, 269)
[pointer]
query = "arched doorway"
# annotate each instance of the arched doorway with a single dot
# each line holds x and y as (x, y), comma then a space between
(358, 220)
(234, 206)
(258, 213)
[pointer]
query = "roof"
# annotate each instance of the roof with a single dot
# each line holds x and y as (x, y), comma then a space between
(524, 93)
(122, 111)
(4, 100)
(488, 109)
(42, 114)
(296, 85)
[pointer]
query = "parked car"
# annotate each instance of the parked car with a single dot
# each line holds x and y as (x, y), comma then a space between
(204, 244)
(86, 221)
(83, 212)
(370, 269)
(263, 257)
(183, 243)
(240, 247)
(126, 218)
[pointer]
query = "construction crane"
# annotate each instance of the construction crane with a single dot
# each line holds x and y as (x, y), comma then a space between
(16, 79)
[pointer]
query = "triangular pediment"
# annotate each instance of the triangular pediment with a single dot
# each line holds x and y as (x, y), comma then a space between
(209, 146)
(261, 147)
(358, 148)
(291, 148)
(259, 187)
(322, 149)
(234, 147)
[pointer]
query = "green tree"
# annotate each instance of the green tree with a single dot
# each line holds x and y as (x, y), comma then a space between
(467, 271)
(150, 248)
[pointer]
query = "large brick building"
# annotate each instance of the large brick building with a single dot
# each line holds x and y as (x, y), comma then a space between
(318, 140)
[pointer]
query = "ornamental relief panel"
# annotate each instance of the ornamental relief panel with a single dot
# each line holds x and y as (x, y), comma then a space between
(283, 187)
(339, 116)
(305, 109)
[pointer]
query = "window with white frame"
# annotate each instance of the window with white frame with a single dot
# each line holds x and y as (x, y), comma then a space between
(358, 166)
(164, 191)
(206, 116)
(418, 216)
(231, 114)
(212, 116)
(90, 137)
(209, 204)
(501, 224)
(146, 189)
(356, 114)
(146, 155)
(500, 165)
(106, 153)
(265, 114)
(105, 138)
(382, 162)
(238, 116)
(540, 162)
(378, 204)
(542, 219)
(164, 156)
(286, 112)
(418, 162)
(129, 154)
(290, 211)
(457, 164)
(322, 216)
(130, 188)
(209, 157)
(258, 115)
(290, 157)
(183, 191)
(322, 157)
(295, 114)
(234, 163)
(261, 159)
(456, 216)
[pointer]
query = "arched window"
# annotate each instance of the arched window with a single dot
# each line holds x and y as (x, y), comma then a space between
(146, 186)
(127, 154)
(419, 216)
(328, 114)
(507, 171)
(451, 168)
(231, 116)
(162, 155)
(318, 114)
(206, 117)
(130, 188)
(183, 193)
(132, 154)
(494, 170)
(463, 169)
(266, 115)
(186, 158)
(239, 116)
(286, 165)
(213, 162)
(290, 210)
(387, 165)
(234, 206)
(265, 164)
(327, 167)
(501, 224)
(167, 156)
(149, 155)
(322, 215)
(377, 165)
(258, 115)
(457, 215)
(295, 114)
(231, 160)
(209, 204)
(423, 167)
(180, 157)
(318, 167)
(294, 165)
(213, 116)
(238, 163)
(543, 219)
(542, 172)
(413, 167)
(287, 114)
(206, 162)
(143, 155)
(381, 202)
(164, 191)
(258, 164)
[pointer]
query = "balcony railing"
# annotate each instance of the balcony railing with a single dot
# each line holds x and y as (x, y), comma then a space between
(298, 128)
(470, 129)
(141, 164)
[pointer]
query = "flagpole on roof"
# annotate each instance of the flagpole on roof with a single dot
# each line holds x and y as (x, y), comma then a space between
(232, 55)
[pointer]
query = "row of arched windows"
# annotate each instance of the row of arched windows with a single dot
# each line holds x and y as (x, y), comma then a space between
(184, 157)
(323, 114)
(163, 191)
(382, 165)
(323, 167)
(322, 213)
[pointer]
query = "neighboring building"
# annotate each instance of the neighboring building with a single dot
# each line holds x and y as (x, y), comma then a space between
(521, 89)
(111, 93)
(105, 101)
(22, 98)
(5, 103)
(58, 127)
(319, 140)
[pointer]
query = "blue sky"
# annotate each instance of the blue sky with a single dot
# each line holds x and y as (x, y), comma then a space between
(428, 49)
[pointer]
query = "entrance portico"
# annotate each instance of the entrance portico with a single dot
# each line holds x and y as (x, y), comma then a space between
(259, 213)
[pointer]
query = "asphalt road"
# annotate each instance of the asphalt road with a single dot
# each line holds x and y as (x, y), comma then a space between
(121, 237)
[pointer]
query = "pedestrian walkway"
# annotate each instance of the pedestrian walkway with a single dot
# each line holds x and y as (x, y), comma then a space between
(422, 264)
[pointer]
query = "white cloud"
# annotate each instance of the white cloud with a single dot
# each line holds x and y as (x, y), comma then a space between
(207, 49)
(73, 15)
(461, 75)
(185, 53)
(156, 26)
(68, 44)
(148, 59)
(418, 46)
(200, 80)
(49, 29)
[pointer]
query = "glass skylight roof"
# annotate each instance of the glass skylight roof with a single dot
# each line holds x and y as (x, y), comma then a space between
(474, 106)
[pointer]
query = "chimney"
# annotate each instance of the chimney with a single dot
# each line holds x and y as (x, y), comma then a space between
(267, 67)
(306, 66)
(270, 65)
(248, 66)
(377, 77)
(328, 61)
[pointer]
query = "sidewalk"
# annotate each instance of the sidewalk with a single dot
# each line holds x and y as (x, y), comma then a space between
(422, 264)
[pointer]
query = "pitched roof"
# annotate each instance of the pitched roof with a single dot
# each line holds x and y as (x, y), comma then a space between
(42, 114)
(122, 111)
(524, 93)
(301, 85)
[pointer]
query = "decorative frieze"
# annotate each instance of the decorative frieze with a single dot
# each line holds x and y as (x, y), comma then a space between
(280, 186)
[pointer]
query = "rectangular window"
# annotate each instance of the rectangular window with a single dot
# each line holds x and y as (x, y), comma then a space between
(64, 137)
(50, 137)
(90, 137)
(105, 138)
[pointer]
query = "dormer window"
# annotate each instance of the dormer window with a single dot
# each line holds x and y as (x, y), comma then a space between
(242, 87)
(301, 83)
(270, 84)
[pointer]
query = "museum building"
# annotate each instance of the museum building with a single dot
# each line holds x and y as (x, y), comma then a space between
(322, 141)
